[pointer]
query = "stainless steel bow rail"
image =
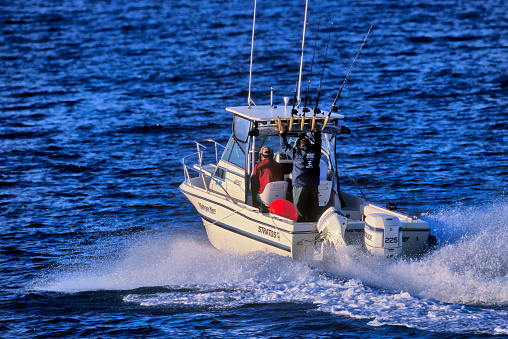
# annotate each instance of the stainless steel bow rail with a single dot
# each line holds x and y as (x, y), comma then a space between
(199, 167)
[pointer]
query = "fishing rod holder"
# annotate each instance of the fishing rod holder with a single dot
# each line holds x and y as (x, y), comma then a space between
(286, 100)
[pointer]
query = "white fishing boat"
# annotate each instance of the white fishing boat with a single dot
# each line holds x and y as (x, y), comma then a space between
(220, 193)
(219, 189)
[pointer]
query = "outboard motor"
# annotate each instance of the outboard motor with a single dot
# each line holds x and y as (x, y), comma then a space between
(332, 226)
(383, 234)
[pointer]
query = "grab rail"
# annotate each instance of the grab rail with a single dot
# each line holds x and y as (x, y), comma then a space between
(201, 171)
(216, 144)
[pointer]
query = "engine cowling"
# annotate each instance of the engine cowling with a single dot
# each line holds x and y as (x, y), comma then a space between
(383, 234)
(332, 226)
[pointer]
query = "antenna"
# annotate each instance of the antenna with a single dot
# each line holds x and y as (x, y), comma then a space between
(301, 58)
(252, 52)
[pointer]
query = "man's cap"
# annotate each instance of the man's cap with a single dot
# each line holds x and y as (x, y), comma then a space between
(266, 151)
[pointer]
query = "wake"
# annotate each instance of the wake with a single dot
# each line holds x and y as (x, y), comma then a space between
(459, 287)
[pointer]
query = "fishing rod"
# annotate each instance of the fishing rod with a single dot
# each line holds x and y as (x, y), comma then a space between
(316, 109)
(305, 109)
(298, 83)
(293, 111)
(334, 108)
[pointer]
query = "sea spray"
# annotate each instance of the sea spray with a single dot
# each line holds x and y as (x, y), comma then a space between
(470, 267)
(439, 292)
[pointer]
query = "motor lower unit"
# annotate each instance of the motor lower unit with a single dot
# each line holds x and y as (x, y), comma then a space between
(383, 234)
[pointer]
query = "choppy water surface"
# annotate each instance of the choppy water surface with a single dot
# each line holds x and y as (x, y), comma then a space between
(100, 100)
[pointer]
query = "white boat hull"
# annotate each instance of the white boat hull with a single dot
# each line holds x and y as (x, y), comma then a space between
(240, 228)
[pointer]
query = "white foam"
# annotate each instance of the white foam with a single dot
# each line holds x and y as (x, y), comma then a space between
(461, 287)
(173, 262)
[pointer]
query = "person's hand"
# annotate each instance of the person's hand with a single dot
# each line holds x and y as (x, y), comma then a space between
(282, 127)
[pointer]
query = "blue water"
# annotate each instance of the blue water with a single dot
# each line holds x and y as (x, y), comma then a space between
(101, 99)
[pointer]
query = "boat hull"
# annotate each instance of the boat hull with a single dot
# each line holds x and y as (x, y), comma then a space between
(239, 228)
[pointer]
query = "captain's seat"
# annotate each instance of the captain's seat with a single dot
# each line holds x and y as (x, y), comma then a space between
(273, 191)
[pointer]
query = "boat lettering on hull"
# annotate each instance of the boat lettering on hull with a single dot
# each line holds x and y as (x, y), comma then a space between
(270, 233)
(208, 209)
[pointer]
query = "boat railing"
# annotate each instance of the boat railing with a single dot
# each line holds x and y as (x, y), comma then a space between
(353, 180)
(199, 167)
(200, 154)
(200, 146)
(186, 167)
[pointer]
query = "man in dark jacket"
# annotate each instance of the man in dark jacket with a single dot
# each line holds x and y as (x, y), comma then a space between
(306, 157)
(268, 170)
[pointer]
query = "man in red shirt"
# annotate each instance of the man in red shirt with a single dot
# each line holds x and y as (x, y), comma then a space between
(268, 170)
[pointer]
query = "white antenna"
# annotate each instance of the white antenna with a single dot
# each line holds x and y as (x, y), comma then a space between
(252, 52)
(301, 58)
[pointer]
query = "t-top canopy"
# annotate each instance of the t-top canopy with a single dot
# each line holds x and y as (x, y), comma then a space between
(270, 113)
(265, 118)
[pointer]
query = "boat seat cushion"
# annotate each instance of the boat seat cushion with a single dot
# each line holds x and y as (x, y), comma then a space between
(273, 191)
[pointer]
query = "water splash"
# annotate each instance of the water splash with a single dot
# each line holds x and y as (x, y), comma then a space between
(470, 267)
(173, 262)
(460, 287)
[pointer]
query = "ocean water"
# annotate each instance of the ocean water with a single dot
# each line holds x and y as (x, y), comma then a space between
(101, 99)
